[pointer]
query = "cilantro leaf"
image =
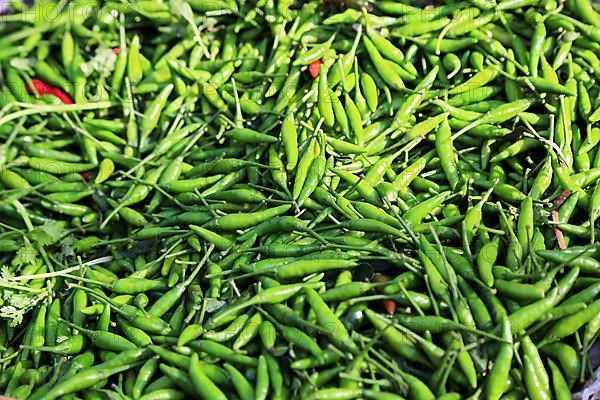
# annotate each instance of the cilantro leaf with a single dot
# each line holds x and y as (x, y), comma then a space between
(17, 305)
(47, 234)
(25, 255)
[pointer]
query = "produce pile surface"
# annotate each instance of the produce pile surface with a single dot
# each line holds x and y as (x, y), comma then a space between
(285, 199)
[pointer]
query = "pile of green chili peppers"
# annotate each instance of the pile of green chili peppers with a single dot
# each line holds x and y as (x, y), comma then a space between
(299, 199)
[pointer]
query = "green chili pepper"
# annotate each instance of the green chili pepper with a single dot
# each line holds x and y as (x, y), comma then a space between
(202, 383)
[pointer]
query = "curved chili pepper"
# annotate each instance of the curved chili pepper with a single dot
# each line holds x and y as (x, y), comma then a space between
(41, 88)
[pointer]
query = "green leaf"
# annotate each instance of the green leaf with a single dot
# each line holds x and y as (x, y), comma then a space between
(213, 305)
(23, 64)
(6, 274)
(182, 8)
(67, 248)
(25, 255)
(47, 234)
(16, 305)
(13, 314)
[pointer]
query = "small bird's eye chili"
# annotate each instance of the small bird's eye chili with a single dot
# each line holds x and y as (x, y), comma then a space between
(268, 199)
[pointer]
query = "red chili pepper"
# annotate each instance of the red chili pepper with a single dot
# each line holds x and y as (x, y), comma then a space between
(116, 50)
(38, 87)
(43, 88)
(314, 68)
(86, 176)
(389, 305)
(65, 98)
